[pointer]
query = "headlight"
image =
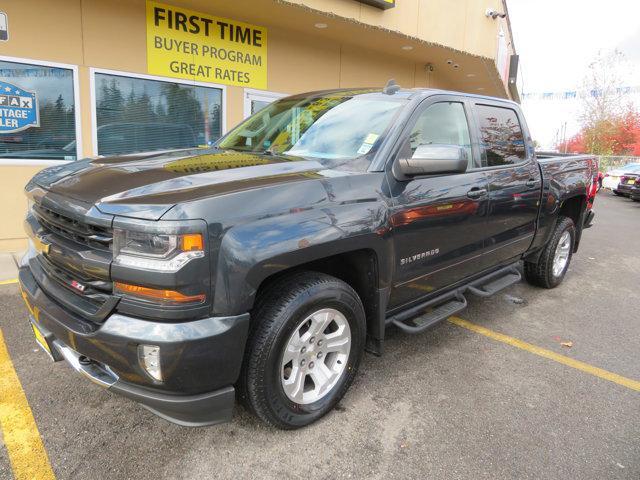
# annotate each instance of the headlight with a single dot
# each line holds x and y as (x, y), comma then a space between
(156, 251)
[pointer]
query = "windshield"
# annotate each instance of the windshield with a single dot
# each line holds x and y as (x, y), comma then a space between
(337, 126)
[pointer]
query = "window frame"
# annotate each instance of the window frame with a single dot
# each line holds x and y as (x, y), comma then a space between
(92, 93)
(249, 95)
(523, 128)
(77, 112)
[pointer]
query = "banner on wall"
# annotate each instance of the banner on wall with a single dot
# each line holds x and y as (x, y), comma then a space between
(191, 45)
(18, 108)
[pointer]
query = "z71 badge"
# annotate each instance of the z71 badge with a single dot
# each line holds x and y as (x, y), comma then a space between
(419, 256)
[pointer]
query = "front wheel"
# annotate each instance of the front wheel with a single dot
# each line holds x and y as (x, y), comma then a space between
(304, 348)
(551, 267)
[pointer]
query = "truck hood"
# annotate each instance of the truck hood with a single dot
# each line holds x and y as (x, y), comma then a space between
(147, 186)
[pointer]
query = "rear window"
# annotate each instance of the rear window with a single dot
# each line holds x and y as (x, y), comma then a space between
(501, 136)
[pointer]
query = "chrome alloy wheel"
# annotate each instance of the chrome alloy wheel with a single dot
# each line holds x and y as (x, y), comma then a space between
(561, 257)
(315, 356)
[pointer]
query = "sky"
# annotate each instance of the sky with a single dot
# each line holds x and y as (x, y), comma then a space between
(556, 41)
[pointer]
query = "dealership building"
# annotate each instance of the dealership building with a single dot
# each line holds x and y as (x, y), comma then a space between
(82, 78)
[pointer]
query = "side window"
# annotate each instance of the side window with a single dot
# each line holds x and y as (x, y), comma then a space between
(501, 136)
(442, 123)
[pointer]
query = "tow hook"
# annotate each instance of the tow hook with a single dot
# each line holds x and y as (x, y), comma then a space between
(83, 360)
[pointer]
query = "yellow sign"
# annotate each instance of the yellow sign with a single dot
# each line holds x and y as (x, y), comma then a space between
(182, 43)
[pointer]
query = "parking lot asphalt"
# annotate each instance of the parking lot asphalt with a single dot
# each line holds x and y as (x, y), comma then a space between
(448, 403)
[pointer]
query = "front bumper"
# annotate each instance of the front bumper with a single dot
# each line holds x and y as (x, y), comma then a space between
(200, 359)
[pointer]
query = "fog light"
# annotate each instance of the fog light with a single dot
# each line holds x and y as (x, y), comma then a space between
(149, 356)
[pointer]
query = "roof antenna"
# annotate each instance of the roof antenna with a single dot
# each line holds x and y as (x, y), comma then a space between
(391, 87)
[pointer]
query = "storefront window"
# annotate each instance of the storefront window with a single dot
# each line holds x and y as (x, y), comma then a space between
(37, 112)
(138, 115)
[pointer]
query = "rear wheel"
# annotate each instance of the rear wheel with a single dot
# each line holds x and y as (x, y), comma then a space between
(305, 345)
(554, 261)
(620, 194)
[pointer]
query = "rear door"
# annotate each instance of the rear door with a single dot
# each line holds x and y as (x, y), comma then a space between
(515, 181)
(437, 220)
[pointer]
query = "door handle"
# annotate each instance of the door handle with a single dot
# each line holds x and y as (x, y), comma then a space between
(476, 192)
(532, 183)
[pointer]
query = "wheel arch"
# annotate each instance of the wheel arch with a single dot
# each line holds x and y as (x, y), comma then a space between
(574, 207)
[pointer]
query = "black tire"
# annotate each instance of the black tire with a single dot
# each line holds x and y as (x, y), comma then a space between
(278, 312)
(619, 194)
(541, 273)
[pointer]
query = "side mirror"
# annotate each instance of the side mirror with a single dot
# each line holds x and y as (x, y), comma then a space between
(434, 159)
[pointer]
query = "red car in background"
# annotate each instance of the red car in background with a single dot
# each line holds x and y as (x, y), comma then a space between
(596, 185)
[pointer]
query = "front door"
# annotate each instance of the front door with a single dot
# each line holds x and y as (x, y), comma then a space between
(515, 183)
(438, 221)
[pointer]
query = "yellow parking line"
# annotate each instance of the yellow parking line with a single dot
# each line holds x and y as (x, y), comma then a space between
(21, 437)
(556, 357)
(9, 282)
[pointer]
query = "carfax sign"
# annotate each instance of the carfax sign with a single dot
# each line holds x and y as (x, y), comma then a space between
(18, 108)
(182, 43)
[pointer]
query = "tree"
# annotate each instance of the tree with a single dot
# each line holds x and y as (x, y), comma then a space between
(617, 136)
(608, 126)
(601, 95)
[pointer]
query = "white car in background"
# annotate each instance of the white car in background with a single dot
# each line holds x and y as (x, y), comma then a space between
(612, 178)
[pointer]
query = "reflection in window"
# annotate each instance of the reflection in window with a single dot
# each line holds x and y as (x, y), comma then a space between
(502, 136)
(137, 115)
(442, 123)
(335, 126)
(37, 112)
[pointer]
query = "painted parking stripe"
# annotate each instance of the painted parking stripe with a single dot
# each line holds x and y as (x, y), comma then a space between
(8, 282)
(542, 352)
(22, 440)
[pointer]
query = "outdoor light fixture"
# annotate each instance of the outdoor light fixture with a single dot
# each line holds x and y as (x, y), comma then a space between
(470, 75)
(491, 13)
(407, 47)
(449, 62)
(455, 65)
(321, 25)
(149, 356)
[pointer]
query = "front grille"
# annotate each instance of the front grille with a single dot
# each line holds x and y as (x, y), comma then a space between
(90, 235)
(97, 291)
(74, 269)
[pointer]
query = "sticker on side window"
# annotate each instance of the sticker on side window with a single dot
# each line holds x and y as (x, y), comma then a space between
(368, 143)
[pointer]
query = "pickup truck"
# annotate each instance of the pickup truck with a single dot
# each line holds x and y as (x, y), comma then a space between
(262, 268)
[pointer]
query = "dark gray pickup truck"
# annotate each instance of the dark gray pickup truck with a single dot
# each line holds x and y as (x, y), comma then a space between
(264, 267)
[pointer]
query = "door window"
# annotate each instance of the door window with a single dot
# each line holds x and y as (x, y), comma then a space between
(256, 100)
(501, 136)
(442, 123)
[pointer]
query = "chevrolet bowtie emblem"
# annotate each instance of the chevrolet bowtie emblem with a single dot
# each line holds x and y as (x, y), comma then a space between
(41, 244)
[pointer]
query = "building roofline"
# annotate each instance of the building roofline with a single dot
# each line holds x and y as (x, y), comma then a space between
(508, 19)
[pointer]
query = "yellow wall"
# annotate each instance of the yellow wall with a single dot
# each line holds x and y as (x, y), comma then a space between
(13, 205)
(459, 24)
(110, 34)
